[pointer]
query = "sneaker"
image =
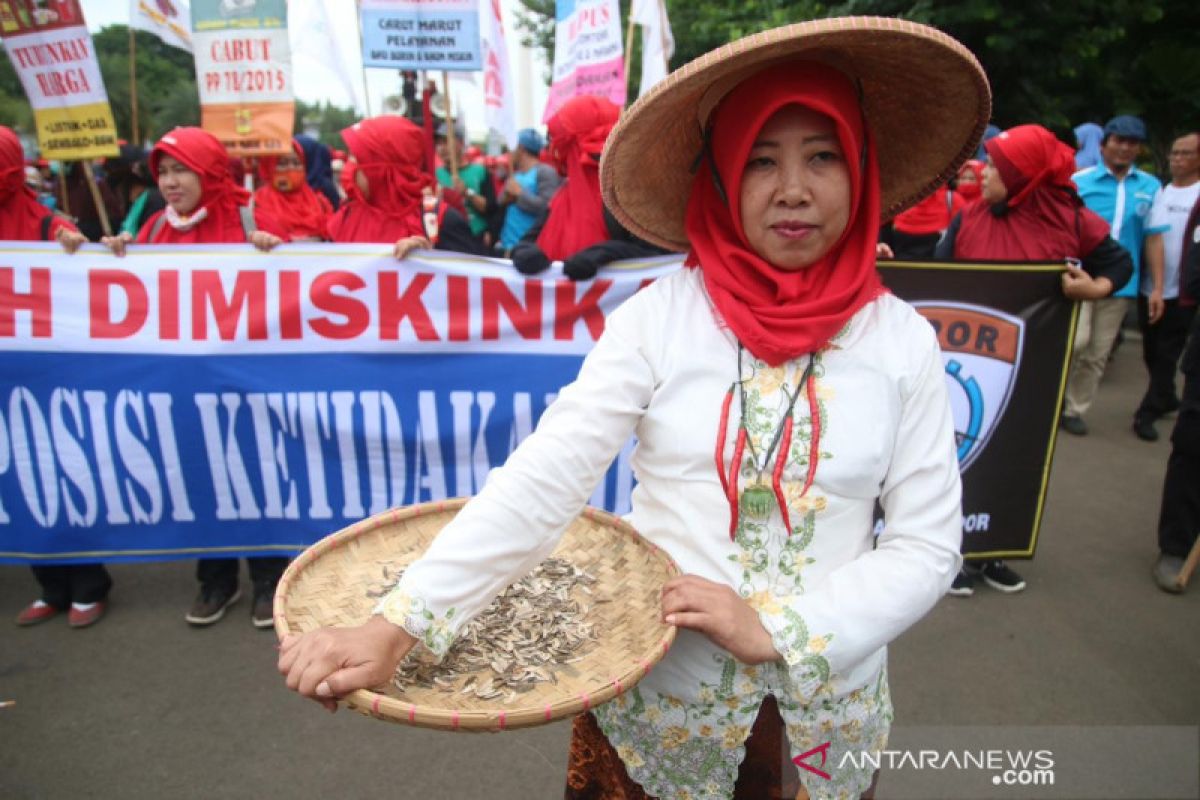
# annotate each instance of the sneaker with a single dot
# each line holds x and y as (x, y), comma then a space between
(1166, 573)
(1000, 577)
(1145, 430)
(211, 604)
(81, 615)
(964, 584)
(263, 612)
(1073, 425)
(36, 613)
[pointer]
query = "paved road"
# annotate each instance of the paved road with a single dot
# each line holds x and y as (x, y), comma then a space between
(141, 706)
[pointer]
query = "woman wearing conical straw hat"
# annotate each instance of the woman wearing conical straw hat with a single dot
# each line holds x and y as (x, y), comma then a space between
(777, 391)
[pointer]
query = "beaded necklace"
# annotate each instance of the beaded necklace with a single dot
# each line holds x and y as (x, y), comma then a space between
(755, 500)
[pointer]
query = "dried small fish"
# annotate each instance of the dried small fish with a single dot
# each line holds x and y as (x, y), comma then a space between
(531, 625)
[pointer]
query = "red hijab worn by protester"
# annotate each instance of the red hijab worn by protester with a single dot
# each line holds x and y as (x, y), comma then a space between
(970, 192)
(1043, 218)
(577, 136)
(931, 215)
(21, 214)
(220, 196)
(287, 196)
(777, 314)
(390, 151)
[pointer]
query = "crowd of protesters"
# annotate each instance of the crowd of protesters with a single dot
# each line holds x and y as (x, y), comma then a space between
(1128, 244)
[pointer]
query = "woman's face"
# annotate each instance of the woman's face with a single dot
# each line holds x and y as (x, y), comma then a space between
(180, 186)
(967, 176)
(795, 193)
(993, 191)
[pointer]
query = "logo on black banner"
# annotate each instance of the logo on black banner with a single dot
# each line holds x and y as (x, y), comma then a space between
(981, 348)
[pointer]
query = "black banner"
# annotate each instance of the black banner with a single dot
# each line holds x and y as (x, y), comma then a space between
(1006, 332)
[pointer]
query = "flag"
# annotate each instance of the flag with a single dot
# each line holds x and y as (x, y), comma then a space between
(169, 20)
(314, 39)
(658, 45)
(499, 103)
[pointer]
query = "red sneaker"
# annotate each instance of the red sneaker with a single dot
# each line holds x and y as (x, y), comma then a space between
(36, 613)
(81, 617)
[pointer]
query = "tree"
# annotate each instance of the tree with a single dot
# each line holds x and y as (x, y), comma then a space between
(1057, 64)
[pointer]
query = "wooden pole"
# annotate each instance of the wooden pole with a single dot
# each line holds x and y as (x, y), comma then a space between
(451, 134)
(1189, 566)
(62, 187)
(91, 178)
(133, 88)
(628, 46)
(366, 88)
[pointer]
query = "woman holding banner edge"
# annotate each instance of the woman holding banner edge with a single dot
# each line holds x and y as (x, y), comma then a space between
(779, 341)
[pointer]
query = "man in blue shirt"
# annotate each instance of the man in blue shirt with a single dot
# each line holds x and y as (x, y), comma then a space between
(1121, 193)
(528, 191)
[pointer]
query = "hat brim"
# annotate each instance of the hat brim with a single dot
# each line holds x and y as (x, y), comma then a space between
(924, 95)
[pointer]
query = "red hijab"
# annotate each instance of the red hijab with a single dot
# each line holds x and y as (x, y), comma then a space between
(577, 136)
(970, 192)
(21, 214)
(303, 212)
(390, 151)
(931, 215)
(1042, 218)
(220, 195)
(779, 315)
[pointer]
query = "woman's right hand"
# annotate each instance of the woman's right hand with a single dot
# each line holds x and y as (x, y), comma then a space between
(329, 663)
(117, 243)
(408, 244)
(70, 240)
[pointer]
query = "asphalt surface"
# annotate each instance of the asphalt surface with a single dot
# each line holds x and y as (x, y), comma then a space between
(142, 706)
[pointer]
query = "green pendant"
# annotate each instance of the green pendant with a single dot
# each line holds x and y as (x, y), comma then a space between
(756, 501)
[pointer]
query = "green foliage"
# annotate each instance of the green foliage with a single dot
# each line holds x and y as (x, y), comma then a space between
(1057, 64)
(328, 119)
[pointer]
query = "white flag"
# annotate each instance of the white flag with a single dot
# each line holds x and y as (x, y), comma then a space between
(169, 20)
(658, 45)
(315, 42)
(498, 99)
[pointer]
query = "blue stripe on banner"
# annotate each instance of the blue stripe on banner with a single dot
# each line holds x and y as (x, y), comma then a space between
(139, 457)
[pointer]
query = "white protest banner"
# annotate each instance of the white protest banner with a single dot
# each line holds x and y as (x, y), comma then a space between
(500, 105)
(421, 34)
(244, 74)
(52, 52)
(588, 52)
(169, 20)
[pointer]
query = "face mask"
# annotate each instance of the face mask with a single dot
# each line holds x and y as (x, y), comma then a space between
(288, 180)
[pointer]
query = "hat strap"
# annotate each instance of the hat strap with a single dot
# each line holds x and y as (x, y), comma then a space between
(707, 154)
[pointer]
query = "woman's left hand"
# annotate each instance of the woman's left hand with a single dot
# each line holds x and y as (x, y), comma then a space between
(265, 241)
(717, 611)
(1078, 285)
(884, 250)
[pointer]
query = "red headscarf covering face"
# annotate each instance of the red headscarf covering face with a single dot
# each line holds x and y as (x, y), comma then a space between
(577, 136)
(301, 210)
(967, 190)
(21, 214)
(220, 195)
(1043, 217)
(777, 314)
(390, 152)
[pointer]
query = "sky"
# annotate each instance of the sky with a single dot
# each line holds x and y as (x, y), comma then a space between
(315, 83)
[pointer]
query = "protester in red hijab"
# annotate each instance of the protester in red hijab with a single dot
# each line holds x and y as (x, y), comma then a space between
(22, 217)
(393, 198)
(970, 181)
(575, 228)
(286, 195)
(1029, 211)
(204, 203)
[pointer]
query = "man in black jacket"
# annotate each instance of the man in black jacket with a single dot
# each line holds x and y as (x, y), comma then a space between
(1179, 515)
